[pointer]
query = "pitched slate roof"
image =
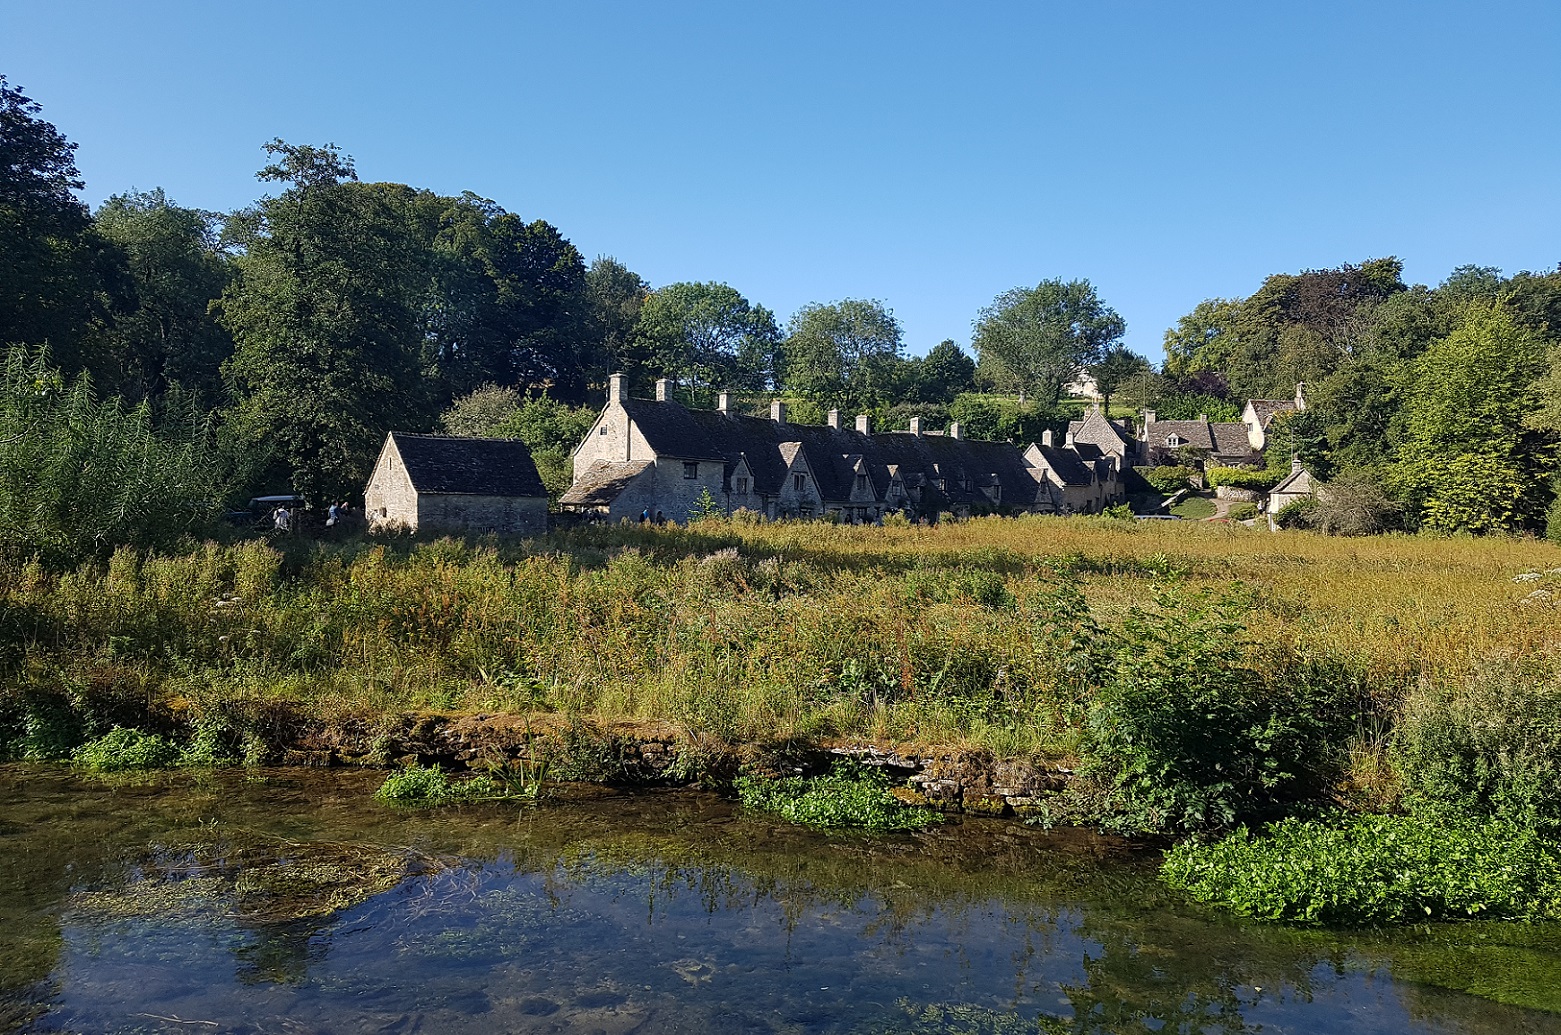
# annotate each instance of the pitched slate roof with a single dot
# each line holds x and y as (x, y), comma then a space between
(1266, 409)
(1297, 481)
(601, 483)
(1069, 466)
(450, 466)
(1098, 430)
(1231, 439)
(1191, 433)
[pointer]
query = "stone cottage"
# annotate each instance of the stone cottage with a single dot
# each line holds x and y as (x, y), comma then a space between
(1260, 413)
(1297, 485)
(661, 458)
(449, 484)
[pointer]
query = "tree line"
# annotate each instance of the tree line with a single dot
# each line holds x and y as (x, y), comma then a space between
(281, 341)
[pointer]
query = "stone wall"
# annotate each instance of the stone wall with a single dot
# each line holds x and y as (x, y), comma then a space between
(519, 515)
(390, 501)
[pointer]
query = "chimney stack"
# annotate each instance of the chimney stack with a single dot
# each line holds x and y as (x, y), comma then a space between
(834, 419)
(955, 431)
(1046, 437)
(1148, 417)
(1204, 417)
(1300, 395)
(615, 388)
(778, 412)
(663, 389)
(864, 424)
(915, 425)
(724, 402)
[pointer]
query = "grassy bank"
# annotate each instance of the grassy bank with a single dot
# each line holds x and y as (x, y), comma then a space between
(1020, 636)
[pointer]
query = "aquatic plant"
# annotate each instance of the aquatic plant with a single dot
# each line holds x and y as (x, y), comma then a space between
(847, 796)
(421, 787)
(123, 750)
(1358, 870)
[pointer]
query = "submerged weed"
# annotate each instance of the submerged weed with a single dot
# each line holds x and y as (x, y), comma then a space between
(848, 796)
(422, 787)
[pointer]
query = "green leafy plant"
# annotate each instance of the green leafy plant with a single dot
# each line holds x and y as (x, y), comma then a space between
(1167, 479)
(1296, 513)
(122, 750)
(421, 787)
(1241, 478)
(848, 796)
(1374, 870)
(1186, 735)
(1242, 512)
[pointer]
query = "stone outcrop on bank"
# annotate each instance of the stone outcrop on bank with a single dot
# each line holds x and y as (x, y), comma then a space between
(632, 753)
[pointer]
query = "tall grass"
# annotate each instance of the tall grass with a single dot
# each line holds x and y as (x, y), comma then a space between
(965, 633)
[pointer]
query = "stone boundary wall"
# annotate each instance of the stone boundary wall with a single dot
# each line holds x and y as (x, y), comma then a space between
(630, 754)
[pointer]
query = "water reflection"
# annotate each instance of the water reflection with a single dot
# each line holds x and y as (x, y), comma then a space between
(295, 905)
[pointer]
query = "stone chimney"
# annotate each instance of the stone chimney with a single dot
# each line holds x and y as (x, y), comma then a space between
(1149, 417)
(864, 424)
(1067, 437)
(915, 425)
(615, 391)
(1046, 437)
(1204, 417)
(663, 390)
(1300, 395)
(778, 412)
(955, 431)
(724, 402)
(834, 419)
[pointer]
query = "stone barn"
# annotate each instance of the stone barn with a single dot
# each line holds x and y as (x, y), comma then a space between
(447, 484)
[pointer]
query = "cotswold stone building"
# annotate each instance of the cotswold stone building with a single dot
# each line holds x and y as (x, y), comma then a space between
(660, 458)
(442, 483)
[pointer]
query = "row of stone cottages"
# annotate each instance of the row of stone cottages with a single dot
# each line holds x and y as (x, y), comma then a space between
(660, 458)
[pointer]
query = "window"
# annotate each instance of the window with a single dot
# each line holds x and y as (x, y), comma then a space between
(742, 486)
(603, 431)
(691, 468)
(799, 482)
(861, 483)
(1173, 440)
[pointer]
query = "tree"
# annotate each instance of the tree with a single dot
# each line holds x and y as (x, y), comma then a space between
(944, 373)
(1115, 368)
(56, 275)
(1038, 339)
(168, 338)
(325, 321)
(614, 296)
(845, 354)
(710, 335)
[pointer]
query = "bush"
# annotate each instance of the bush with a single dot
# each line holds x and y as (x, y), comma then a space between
(1186, 736)
(1243, 512)
(1241, 478)
(421, 787)
(1490, 748)
(1374, 870)
(847, 797)
(1167, 479)
(1296, 513)
(122, 750)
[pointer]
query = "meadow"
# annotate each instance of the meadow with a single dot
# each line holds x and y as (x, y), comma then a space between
(1018, 636)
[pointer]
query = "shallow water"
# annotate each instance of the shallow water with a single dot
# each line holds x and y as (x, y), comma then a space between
(293, 904)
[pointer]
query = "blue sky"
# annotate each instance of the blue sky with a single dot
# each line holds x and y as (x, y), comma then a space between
(931, 155)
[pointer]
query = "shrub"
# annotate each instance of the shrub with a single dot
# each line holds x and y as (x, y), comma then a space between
(1241, 478)
(1186, 736)
(1243, 512)
(1296, 513)
(847, 797)
(121, 750)
(1167, 479)
(1120, 512)
(421, 787)
(1491, 747)
(1373, 870)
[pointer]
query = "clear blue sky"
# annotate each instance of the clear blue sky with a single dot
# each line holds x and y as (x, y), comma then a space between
(929, 155)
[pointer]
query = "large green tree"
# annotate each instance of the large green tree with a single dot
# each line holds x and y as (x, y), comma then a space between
(56, 275)
(943, 373)
(327, 332)
(845, 353)
(708, 336)
(168, 337)
(1037, 340)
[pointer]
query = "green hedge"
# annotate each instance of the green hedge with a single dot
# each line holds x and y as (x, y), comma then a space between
(1242, 478)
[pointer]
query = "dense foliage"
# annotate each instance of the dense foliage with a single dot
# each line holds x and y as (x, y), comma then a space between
(847, 796)
(1360, 870)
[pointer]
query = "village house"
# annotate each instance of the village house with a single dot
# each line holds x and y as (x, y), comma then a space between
(1260, 413)
(1297, 485)
(448, 484)
(658, 458)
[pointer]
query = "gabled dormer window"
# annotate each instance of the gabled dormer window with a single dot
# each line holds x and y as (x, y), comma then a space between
(742, 486)
(1173, 440)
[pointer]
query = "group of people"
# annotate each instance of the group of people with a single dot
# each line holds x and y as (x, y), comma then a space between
(282, 517)
(646, 519)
